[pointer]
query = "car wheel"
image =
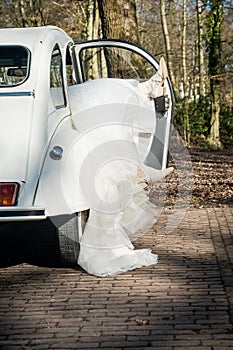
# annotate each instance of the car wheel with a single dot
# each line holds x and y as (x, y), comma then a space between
(69, 231)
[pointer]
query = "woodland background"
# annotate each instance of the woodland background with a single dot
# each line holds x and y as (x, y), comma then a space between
(194, 36)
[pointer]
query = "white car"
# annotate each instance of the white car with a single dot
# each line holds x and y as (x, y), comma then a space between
(37, 68)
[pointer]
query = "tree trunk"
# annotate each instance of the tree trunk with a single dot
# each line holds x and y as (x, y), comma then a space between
(168, 46)
(215, 28)
(214, 136)
(200, 48)
(93, 31)
(93, 20)
(185, 81)
(118, 19)
(30, 13)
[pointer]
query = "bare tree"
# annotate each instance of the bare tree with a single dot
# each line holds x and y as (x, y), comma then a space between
(119, 20)
(72, 16)
(93, 32)
(164, 28)
(214, 35)
(201, 87)
(22, 13)
(185, 80)
(168, 46)
(93, 22)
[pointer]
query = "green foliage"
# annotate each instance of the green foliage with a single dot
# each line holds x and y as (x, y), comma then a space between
(226, 126)
(215, 19)
(199, 116)
(199, 119)
(199, 122)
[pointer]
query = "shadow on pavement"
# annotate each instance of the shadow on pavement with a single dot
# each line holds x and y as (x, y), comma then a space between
(33, 243)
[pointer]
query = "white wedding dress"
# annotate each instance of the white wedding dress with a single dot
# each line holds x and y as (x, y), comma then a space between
(111, 114)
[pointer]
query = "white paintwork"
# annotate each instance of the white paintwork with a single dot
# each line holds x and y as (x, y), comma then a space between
(28, 123)
(30, 126)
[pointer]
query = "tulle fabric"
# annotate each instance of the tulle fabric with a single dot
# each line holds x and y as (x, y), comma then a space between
(106, 247)
(120, 210)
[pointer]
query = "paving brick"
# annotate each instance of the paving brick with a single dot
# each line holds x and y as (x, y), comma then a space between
(191, 347)
(124, 344)
(183, 302)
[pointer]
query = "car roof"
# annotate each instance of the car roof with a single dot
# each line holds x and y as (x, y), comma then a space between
(27, 36)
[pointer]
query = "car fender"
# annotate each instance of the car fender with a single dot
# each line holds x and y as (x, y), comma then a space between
(58, 187)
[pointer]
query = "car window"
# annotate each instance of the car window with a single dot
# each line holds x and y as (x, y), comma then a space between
(114, 62)
(14, 65)
(56, 79)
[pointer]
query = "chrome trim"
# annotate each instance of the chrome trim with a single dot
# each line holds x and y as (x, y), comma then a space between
(10, 214)
(14, 208)
(18, 93)
(22, 218)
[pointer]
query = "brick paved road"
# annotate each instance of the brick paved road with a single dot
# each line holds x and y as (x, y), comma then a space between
(184, 302)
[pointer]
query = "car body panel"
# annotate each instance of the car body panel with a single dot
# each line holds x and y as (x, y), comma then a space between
(32, 126)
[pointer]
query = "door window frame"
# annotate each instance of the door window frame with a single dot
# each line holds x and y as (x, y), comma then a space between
(61, 76)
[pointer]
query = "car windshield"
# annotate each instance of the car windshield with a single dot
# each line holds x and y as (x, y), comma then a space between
(14, 65)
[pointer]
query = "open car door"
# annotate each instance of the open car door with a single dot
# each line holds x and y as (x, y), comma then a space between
(119, 59)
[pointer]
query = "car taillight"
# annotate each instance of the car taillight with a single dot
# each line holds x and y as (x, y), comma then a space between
(8, 193)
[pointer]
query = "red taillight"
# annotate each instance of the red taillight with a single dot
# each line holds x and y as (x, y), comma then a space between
(8, 193)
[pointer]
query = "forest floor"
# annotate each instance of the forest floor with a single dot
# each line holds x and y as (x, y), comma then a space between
(208, 182)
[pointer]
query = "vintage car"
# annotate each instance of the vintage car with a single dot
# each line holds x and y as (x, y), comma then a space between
(37, 68)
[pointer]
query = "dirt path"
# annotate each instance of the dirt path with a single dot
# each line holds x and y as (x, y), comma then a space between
(213, 180)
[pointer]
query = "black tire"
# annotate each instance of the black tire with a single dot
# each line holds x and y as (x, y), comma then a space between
(68, 233)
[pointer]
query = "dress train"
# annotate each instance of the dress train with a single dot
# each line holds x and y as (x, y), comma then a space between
(114, 109)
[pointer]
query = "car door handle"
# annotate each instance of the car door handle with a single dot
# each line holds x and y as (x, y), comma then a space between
(56, 153)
